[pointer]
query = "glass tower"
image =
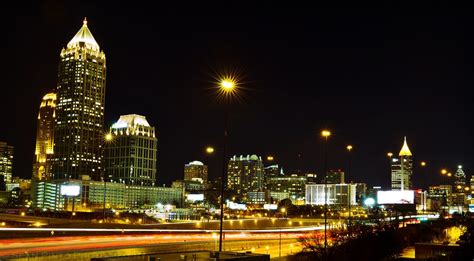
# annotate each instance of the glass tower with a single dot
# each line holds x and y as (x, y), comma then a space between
(44, 138)
(6, 164)
(402, 169)
(78, 130)
(130, 154)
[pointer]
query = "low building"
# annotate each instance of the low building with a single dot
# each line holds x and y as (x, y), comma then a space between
(88, 195)
(337, 194)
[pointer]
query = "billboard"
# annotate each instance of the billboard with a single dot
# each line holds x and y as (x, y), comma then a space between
(233, 205)
(195, 197)
(270, 206)
(70, 190)
(395, 197)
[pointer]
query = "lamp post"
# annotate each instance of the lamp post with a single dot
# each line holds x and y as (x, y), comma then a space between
(227, 88)
(283, 210)
(108, 138)
(349, 168)
(325, 134)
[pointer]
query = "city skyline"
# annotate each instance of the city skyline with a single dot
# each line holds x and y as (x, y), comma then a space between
(259, 103)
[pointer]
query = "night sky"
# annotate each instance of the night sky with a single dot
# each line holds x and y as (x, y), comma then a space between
(372, 76)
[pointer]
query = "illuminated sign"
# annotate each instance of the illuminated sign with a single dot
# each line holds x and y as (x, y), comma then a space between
(70, 190)
(270, 206)
(369, 202)
(195, 197)
(396, 197)
(233, 205)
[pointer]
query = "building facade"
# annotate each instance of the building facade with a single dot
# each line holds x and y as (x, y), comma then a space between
(78, 129)
(195, 170)
(402, 169)
(6, 164)
(44, 149)
(293, 184)
(245, 174)
(47, 195)
(130, 153)
(335, 176)
(337, 194)
(460, 181)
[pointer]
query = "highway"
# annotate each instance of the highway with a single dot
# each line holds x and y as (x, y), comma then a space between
(257, 242)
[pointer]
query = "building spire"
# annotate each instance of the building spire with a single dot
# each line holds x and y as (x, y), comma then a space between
(84, 36)
(405, 151)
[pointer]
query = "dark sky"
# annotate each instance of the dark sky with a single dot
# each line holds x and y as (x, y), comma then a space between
(372, 76)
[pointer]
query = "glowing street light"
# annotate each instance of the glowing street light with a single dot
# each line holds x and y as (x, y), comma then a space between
(389, 154)
(227, 85)
(444, 171)
(423, 163)
(449, 174)
(209, 150)
(325, 134)
(270, 158)
(109, 137)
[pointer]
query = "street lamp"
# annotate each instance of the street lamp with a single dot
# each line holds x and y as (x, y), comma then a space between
(227, 87)
(325, 134)
(108, 139)
(349, 149)
(209, 150)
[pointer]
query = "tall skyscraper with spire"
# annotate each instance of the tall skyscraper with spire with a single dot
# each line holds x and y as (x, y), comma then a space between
(45, 138)
(460, 182)
(78, 130)
(402, 169)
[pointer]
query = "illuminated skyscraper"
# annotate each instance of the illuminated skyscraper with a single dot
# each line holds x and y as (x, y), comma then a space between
(130, 155)
(402, 169)
(195, 170)
(78, 130)
(6, 163)
(460, 182)
(45, 138)
(245, 175)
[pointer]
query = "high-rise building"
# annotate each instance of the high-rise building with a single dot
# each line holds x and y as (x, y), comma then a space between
(44, 149)
(335, 176)
(270, 172)
(78, 130)
(402, 169)
(245, 174)
(472, 184)
(6, 163)
(460, 182)
(130, 155)
(195, 170)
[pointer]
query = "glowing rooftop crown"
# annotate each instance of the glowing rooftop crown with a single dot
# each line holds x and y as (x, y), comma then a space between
(405, 151)
(84, 36)
(130, 120)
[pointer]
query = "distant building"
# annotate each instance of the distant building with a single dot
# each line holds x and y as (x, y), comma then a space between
(402, 169)
(270, 172)
(361, 192)
(335, 176)
(195, 170)
(6, 163)
(79, 124)
(338, 194)
(47, 195)
(245, 174)
(460, 182)
(130, 155)
(44, 150)
(472, 184)
(293, 184)
(439, 196)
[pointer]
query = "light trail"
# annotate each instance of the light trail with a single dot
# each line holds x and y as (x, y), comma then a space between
(164, 230)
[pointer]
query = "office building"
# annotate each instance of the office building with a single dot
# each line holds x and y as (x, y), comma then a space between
(78, 128)
(335, 176)
(195, 170)
(338, 194)
(90, 195)
(402, 169)
(245, 174)
(6, 164)
(44, 149)
(130, 152)
(460, 182)
(293, 184)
